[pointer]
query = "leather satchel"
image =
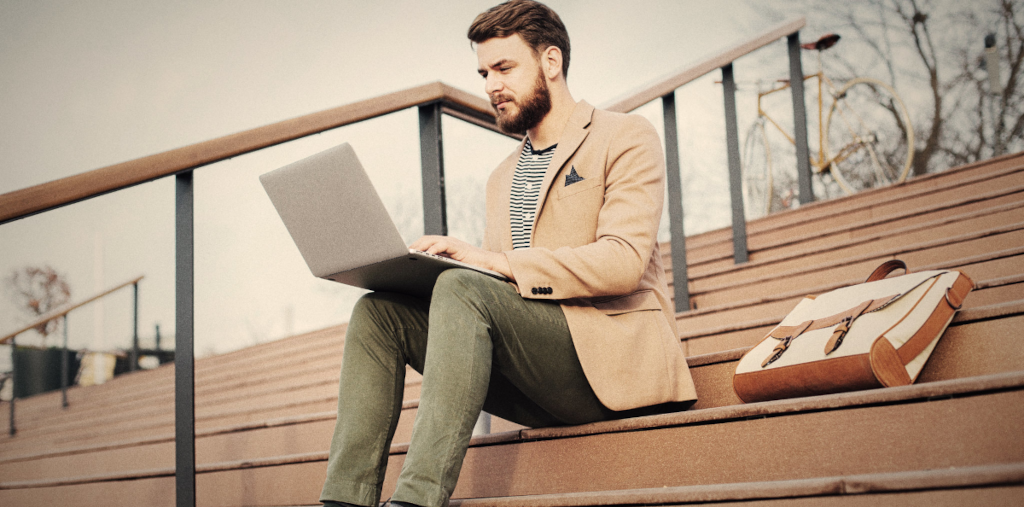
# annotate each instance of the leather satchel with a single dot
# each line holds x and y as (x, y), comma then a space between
(878, 333)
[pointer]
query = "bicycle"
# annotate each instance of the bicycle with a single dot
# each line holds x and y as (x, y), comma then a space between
(865, 141)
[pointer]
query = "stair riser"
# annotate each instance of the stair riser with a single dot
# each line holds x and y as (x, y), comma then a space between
(838, 274)
(777, 310)
(848, 205)
(1012, 218)
(937, 434)
(762, 244)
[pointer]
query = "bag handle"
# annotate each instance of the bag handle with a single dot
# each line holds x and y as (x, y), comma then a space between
(886, 268)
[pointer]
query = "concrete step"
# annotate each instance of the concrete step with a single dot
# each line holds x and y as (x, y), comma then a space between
(874, 205)
(143, 386)
(1002, 215)
(981, 341)
(996, 275)
(950, 424)
(980, 485)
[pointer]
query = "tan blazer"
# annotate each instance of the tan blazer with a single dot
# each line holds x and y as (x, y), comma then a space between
(594, 249)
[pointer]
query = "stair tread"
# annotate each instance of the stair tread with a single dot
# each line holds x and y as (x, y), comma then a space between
(913, 394)
(976, 476)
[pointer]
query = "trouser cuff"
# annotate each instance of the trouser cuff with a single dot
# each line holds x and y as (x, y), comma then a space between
(351, 492)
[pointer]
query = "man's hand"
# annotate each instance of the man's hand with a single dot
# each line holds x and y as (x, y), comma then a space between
(464, 252)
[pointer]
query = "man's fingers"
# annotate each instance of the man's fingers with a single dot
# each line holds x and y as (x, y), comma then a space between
(425, 243)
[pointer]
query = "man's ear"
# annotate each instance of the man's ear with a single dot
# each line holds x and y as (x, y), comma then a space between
(551, 59)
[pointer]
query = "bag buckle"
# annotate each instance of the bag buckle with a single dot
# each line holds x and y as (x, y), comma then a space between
(838, 334)
(777, 351)
(784, 344)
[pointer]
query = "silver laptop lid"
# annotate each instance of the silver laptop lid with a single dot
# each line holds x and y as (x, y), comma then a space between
(332, 212)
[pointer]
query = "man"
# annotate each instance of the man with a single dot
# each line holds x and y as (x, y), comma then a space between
(585, 330)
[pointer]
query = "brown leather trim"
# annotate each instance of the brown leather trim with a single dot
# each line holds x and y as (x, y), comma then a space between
(886, 268)
(784, 344)
(936, 322)
(869, 305)
(837, 336)
(836, 375)
(886, 364)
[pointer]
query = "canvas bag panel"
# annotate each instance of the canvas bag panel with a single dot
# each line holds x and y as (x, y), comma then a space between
(874, 334)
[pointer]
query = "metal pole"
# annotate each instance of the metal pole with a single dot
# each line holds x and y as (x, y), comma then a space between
(14, 386)
(435, 213)
(732, 141)
(64, 367)
(435, 219)
(803, 153)
(184, 367)
(158, 336)
(995, 90)
(680, 279)
(133, 363)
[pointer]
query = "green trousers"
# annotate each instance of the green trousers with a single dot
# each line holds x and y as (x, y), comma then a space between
(480, 346)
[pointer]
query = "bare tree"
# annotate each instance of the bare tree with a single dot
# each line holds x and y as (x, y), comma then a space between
(37, 291)
(929, 51)
(990, 122)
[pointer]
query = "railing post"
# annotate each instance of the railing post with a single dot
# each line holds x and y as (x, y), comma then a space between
(803, 153)
(133, 363)
(14, 386)
(184, 371)
(64, 367)
(680, 280)
(732, 141)
(435, 216)
(432, 166)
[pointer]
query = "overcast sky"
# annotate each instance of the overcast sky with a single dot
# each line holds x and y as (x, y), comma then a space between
(86, 84)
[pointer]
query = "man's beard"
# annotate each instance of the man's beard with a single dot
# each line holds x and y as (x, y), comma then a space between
(531, 110)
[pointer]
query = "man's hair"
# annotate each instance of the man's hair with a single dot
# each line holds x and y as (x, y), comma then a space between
(535, 22)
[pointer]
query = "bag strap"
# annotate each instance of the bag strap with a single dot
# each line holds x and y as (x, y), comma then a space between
(782, 332)
(789, 333)
(840, 332)
(886, 268)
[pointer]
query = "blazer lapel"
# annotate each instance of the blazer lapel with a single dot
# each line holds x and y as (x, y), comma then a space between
(572, 137)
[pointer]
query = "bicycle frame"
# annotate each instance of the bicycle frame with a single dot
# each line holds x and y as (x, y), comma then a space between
(818, 162)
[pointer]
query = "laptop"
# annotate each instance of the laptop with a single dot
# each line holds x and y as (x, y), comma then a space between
(342, 229)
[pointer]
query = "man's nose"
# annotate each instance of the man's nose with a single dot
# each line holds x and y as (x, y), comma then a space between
(493, 85)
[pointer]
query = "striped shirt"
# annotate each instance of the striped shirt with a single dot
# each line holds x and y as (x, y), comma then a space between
(526, 183)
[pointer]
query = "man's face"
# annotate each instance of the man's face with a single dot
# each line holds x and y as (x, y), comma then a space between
(514, 82)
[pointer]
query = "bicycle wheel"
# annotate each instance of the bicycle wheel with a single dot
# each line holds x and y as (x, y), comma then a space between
(869, 138)
(757, 172)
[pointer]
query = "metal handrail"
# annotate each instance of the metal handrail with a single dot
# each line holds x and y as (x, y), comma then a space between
(63, 312)
(46, 196)
(676, 79)
(60, 312)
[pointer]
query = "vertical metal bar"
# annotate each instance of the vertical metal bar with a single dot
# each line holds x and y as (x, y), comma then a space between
(435, 219)
(435, 209)
(134, 362)
(184, 363)
(158, 336)
(732, 141)
(64, 367)
(14, 386)
(680, 279)
(803, 153)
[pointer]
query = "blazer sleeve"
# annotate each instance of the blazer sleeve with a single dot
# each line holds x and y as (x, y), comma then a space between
(627, 226)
